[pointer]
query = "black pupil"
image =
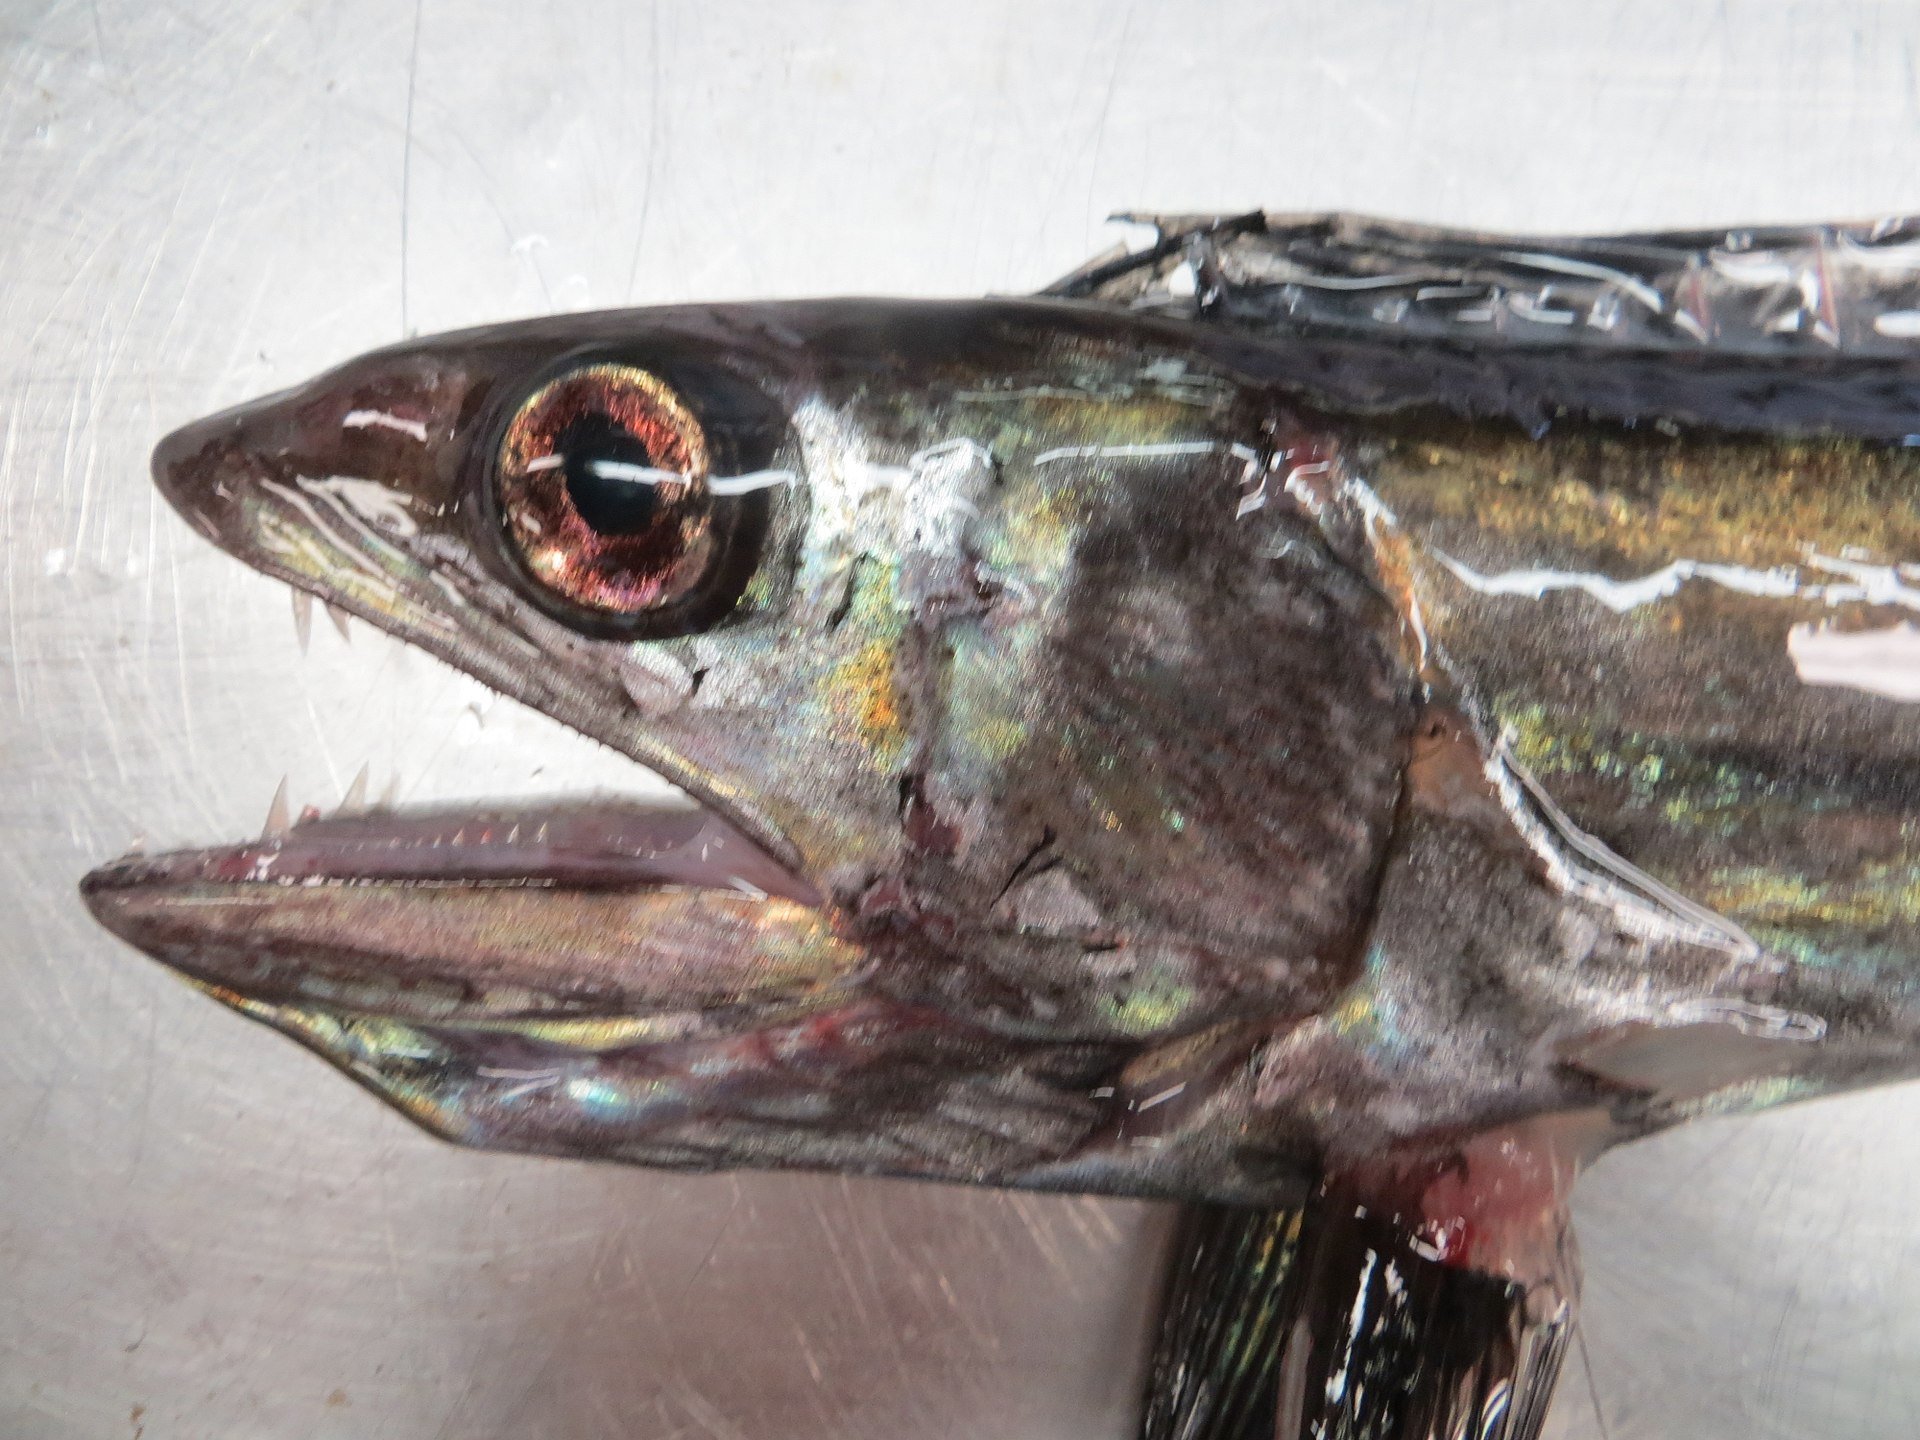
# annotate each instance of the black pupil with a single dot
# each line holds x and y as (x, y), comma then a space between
(596, 450)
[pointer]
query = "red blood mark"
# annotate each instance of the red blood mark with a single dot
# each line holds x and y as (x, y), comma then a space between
(922, 823)
(1307, 464)
(1494, 1202)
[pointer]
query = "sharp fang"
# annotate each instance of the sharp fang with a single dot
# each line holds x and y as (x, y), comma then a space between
(339, 618)
(302, 618)
(279, 816)
(390, 797)
(355, 801)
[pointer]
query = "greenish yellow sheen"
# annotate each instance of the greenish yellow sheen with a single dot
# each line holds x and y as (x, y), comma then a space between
(1152, 1004)
(1757, 501)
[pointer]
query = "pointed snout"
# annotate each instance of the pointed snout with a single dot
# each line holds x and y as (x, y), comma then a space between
(396, 419)
(193, 449)
(203, 468)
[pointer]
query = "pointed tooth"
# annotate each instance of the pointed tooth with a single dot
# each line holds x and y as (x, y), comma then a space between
(339, 618)
(136, 847)
(302, 618)
(278, 821)
(390, 797)
(308, 814)
(355, 800)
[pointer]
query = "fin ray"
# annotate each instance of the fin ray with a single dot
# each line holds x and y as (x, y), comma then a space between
(1331, 1323)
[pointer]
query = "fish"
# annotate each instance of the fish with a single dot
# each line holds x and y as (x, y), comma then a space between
(1330, 722)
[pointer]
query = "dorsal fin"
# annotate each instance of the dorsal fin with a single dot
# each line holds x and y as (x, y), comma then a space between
(1782, 328)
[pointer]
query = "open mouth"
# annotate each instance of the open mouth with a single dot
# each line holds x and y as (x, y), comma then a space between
(540, 974)
(587, 976)
(570, 976)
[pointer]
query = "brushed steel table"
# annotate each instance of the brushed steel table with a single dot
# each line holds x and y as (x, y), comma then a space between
(203, 1233)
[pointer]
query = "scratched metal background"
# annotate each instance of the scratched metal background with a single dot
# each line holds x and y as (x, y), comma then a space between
(205, 1234)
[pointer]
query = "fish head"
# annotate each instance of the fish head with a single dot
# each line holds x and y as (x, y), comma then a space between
(937, 612)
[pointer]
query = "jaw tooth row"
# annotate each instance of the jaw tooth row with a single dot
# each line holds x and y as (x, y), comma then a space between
(279, 816)
(303, 618)
(280, 821)
(302, 621)
(354, 802)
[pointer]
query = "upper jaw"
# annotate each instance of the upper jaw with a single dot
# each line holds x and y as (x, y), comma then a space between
(351, 489)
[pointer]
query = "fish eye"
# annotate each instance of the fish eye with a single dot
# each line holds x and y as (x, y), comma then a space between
(603, 486)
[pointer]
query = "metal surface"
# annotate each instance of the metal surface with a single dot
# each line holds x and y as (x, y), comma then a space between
(201, 1233)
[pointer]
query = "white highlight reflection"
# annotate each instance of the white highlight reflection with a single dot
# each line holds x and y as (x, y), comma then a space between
(380, 419)
(633, 474)
(1880, 662)
(1858, 582)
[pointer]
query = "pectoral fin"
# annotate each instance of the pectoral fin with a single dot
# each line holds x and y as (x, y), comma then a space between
(1330, 1322)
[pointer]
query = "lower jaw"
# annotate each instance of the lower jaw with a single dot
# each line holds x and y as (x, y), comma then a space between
(536, 913)
(526, 979)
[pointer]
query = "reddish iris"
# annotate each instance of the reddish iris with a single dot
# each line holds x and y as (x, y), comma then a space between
(603, 489)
